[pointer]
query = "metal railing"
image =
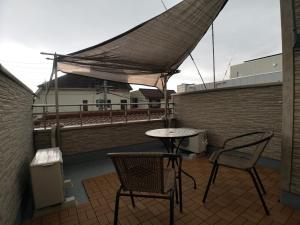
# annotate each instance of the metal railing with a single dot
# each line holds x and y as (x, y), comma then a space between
(99, 113)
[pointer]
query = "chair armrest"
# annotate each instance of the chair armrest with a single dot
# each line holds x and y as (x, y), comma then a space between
(217, 154)
(239, 136)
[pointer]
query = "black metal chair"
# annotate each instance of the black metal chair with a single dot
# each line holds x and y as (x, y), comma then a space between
(259, 141)
(144, 175)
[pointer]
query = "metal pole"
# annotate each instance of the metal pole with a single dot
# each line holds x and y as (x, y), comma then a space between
(80, 115)
(110, 114)
(56, 104)
(105, 93)
(44, 117)
(213, 50)
(166, 100)
(126, 113)
(148, 111)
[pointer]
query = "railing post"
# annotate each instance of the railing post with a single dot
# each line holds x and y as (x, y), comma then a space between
(148, 111)
(44, 117)
(110, 114)
(80, 115)
(126, 113)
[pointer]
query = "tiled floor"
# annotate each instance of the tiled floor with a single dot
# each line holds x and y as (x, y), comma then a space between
(231, 200)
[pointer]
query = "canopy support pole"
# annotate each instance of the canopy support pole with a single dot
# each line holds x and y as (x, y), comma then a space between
(166, 101)
(56, 102)
(213, 52)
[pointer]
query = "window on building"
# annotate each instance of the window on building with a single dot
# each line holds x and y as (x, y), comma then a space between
(100, 104)
(123, 103)
(85, 106)
(154, 103)
(134, 102)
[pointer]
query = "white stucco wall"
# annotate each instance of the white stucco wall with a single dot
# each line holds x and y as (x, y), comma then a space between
(76, 96)
(141, 99)
(257, 66)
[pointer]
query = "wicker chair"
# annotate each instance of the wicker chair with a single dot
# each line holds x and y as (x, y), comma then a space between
(144, 175)
(240, 161)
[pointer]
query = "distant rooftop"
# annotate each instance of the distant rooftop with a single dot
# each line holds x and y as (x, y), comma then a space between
(155, 93)
(77, 81)
(263, 57)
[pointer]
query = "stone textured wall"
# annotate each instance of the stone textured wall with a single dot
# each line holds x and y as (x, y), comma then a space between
(295, 167)
(231, 111)
(16, 149)
(76, 140)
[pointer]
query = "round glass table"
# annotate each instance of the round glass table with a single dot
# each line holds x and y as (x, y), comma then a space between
(168, 137)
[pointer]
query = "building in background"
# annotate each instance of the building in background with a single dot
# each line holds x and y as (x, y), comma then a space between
(153, 96)
(262, 70)
(263, 65)
(75, 90)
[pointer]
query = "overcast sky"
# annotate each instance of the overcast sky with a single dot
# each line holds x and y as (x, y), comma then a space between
(243, 30)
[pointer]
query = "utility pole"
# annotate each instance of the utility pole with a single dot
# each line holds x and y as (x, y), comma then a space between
(105, 93)
(103, 89)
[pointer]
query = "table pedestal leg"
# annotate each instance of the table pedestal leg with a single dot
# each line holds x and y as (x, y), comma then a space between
(172, 148)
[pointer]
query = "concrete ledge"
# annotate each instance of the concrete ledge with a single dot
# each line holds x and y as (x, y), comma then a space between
(229, 88)
(13, 78)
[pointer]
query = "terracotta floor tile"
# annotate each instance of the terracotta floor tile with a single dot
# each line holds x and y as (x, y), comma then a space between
(231, 200)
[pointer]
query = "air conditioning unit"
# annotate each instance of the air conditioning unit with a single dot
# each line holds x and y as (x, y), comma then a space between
(196, 144)
(47, 177)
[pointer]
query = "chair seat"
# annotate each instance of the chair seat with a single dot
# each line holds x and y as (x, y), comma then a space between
(234, 161)
(169, 179)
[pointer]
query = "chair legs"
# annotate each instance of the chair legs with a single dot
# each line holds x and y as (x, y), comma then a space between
(172, 207)
(255, 178)
(210, 181)
(132, 199)
(215, 174)
(259, 181)
(171, 199)
(180, 191)
(117, 207)
(259, 193)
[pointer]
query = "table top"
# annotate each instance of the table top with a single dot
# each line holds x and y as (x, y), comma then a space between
(173, 132)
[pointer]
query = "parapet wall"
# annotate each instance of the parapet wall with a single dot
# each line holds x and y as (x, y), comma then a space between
(75, 140)
(16, 149)
(231, 111)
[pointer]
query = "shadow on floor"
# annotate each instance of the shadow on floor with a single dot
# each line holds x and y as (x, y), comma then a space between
(92, 164)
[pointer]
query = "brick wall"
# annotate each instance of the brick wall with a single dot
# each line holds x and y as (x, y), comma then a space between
(295, 167)
(232, 111)
(290, 172)
(76, 140)
(16, 144)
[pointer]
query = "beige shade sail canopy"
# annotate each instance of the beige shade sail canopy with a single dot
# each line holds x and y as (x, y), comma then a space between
(154, 48)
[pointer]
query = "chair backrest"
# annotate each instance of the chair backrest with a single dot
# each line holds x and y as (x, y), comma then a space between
(261, 145)
(256, 140)
(142, 172)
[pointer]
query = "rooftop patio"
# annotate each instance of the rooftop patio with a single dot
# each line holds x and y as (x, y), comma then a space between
(232, 200)
(223, 113)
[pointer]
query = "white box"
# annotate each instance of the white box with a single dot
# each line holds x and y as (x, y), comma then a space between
(47, 177)
(196, 144)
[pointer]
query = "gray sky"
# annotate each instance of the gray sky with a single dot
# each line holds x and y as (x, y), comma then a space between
(243, 30)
